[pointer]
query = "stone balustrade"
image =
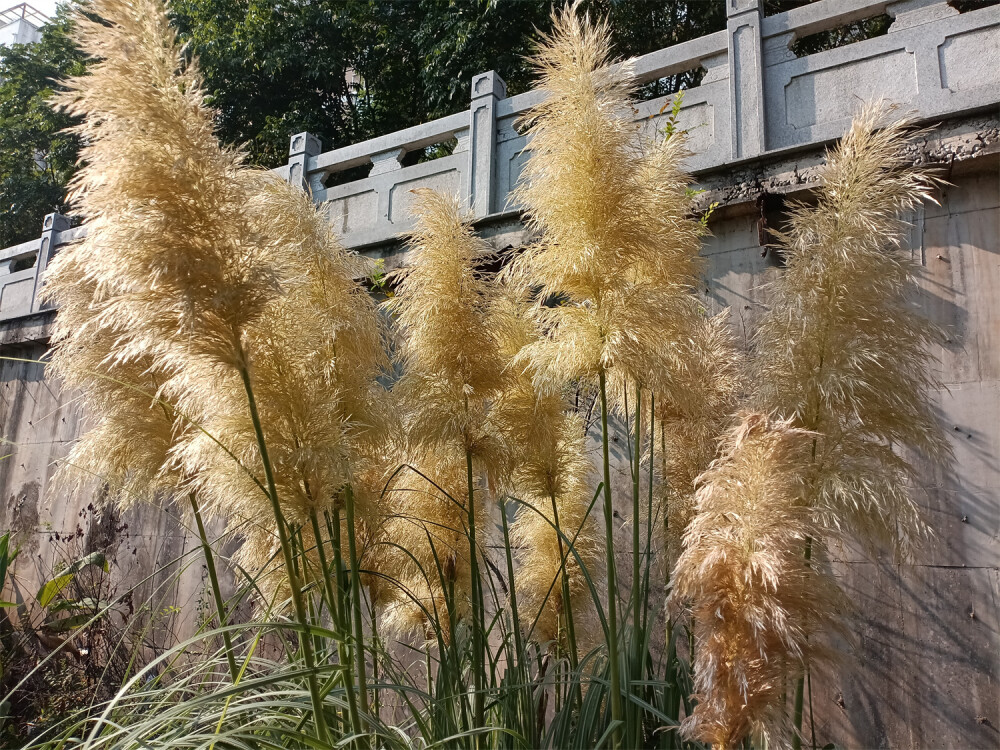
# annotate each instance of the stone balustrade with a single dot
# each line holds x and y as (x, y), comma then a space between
(757, 99)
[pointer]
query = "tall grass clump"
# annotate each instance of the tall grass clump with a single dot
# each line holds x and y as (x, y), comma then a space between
(213, 303)
(423, 492)
(614, 271)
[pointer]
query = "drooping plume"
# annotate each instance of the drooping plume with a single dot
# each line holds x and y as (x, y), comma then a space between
(843, 349)
(756, 602)
(840, 358)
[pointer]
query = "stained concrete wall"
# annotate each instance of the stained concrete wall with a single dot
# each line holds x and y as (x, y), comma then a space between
(924, 667)
(153, 551)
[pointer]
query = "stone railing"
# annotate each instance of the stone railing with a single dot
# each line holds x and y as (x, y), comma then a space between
(22, 266)
(757, 99)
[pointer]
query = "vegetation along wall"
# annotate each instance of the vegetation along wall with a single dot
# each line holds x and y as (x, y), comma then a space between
(924, 666)
(924, 663)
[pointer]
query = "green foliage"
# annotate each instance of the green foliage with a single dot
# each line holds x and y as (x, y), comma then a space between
(37, 159)
(62, 648)
(180, 698)
(347, 70)
(55, 586)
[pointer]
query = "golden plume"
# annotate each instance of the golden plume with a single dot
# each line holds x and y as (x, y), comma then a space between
(843, 349)
(451, 366)
(756, 601)
(196, 271)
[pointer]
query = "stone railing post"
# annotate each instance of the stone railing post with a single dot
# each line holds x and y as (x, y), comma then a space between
(746, 78)
(300, 148)
(386, 162)
(51, 224)
(487, 89)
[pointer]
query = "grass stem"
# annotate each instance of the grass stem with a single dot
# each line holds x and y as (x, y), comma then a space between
(356, 597)
(609, 530)
(286, 551)
(478, 665)
(213, 577)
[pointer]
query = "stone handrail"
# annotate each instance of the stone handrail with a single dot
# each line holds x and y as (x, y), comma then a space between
(756, 99)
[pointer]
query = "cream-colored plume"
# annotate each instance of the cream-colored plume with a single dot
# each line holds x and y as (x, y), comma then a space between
(756, 602)
(452, 373)
(843, 348)
(617, 249)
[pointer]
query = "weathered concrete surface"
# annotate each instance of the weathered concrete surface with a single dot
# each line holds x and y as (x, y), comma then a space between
(152, 550)
(924, 667)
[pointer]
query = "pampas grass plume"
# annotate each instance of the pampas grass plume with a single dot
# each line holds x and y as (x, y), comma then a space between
(756, 602)
(842, 349)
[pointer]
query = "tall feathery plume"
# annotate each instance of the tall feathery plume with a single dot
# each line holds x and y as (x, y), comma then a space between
(451, 365)
(172, 261)
(195, 267)
(549, 475)
(841, 354)
(616, 248)
(452, 372)
(616, 257)
(223, 284)
(315, 355)
(428, 518)
(843, 349)
(149, 160)
(755, 599)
